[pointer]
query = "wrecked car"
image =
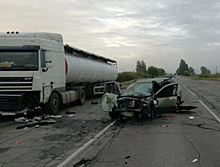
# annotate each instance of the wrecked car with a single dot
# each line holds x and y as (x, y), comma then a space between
(144, 98)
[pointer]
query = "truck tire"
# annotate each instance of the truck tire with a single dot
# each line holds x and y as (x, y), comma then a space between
(82, 97)
(53, 105)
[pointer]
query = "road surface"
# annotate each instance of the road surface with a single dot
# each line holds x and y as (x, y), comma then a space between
(90, 138)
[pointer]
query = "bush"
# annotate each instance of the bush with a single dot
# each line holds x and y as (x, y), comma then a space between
(186, 73)
(127, 76)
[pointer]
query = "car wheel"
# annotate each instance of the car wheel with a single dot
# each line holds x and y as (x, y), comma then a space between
(147, 113)
(178, 103)
(114, 115)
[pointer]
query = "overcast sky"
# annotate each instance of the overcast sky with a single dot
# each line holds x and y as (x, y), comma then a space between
(160, 32)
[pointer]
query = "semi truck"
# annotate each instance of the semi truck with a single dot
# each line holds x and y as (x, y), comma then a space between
(37, 70)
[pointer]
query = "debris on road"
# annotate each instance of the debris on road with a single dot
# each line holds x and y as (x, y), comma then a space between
(171, 115)
(17, 142)
(94, 102)
(36, 124)
(56, 116)
(126, 159)
(21, 120)
(70, 112)
(195, 160)
(191, 117)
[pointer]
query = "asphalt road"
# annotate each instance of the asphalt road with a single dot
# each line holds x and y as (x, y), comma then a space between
(89, 138)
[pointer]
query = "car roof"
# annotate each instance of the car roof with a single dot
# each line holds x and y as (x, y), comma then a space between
(158, 80)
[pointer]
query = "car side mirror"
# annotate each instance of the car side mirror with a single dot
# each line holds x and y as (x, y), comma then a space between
(155, 102)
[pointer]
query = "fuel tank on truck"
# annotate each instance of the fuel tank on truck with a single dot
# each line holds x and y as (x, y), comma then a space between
(89, 69)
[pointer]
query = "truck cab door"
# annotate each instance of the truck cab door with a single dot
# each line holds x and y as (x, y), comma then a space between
(46, 74)
(167, 97)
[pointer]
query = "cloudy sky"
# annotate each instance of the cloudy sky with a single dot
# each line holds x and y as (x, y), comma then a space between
(160, 32)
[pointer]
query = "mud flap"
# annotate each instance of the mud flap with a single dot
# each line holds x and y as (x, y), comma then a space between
(181, 108)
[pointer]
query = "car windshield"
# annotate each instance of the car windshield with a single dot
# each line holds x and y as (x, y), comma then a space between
(139, 89)
(18, 60)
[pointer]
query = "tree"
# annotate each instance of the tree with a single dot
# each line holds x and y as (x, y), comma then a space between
(141, 66)
(161, 71)
(186, 73)
(204, 70)
(153, 71)
(178, 71)
(191, 70)
(182, 67)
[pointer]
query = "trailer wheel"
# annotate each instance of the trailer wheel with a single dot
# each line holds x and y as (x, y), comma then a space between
(53, 105)
(82, 97)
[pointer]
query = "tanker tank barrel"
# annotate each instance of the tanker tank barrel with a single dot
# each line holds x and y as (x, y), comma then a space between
(78, 52)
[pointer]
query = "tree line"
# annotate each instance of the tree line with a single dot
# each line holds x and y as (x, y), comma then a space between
(141, 72)
(187, 71)
(151, 72)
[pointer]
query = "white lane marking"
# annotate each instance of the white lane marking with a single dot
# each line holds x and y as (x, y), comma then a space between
(217, 118)
(184, 86)
(85, 145)
(191, 92)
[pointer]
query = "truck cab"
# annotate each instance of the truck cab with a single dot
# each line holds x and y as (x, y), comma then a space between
(31, 68)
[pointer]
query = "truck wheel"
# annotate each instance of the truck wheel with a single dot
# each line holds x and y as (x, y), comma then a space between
(53, 106)
(82, 97)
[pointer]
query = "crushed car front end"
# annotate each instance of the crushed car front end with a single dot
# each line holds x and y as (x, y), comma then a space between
(133, 107)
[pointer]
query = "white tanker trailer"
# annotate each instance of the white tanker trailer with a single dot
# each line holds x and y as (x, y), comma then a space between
(37, 69)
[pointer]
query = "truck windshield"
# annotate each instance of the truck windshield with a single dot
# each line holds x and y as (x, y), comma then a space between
(18, 60)
(138, 89)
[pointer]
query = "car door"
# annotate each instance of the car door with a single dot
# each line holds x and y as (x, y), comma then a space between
(167, 97)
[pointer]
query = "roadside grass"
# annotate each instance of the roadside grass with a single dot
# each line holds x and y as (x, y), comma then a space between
(126, 83)
(207, 76)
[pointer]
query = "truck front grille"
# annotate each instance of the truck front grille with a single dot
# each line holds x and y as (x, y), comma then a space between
(16, 84)
(10, 102)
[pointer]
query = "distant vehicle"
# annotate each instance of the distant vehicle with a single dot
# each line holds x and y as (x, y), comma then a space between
(37, 69)
(144, 98)
(170, 76)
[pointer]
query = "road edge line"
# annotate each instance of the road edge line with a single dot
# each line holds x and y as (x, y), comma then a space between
(217, 118)
(192, 92)
(85, 145)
